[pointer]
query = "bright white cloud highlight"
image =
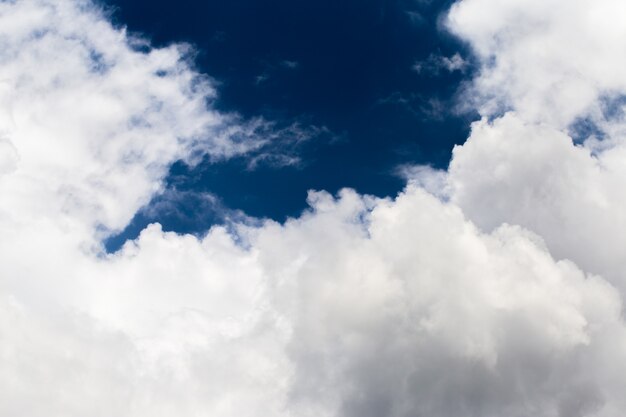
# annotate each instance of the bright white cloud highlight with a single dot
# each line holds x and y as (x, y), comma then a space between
(499, 292)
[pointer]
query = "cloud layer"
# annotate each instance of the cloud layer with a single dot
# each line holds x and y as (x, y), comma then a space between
(493, 288)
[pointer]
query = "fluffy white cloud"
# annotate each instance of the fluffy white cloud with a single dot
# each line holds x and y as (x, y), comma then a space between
(83, 110)
(421, 305)
(342, 312)
(549, 60)
(552, 63)
(533, 175)
(84, 107)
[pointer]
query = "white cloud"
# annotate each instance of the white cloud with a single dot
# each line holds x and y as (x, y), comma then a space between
(504, 300)
(401, 311)
(433, 180)
(533, 175)
(83, 111)
(85, 107)
(340, 312)
(552, 63)
(549, 60)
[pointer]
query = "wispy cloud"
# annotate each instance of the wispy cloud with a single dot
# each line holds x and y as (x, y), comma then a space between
(435, 64)
(263, 142)
(423, 107)
(290, 64)
(270, 68)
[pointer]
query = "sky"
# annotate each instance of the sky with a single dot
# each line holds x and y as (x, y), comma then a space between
(369, 85)
(328, 209)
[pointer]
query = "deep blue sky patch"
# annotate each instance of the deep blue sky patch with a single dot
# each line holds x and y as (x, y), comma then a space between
(375, 77)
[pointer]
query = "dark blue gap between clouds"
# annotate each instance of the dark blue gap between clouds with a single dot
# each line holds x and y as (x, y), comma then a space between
(344, 66)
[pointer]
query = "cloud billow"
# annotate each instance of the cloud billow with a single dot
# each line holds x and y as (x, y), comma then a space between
(493, 288)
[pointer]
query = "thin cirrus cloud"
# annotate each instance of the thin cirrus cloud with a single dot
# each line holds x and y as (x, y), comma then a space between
(434, 64)
(493, 288)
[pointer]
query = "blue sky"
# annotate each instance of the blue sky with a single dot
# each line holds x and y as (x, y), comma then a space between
(368, 77)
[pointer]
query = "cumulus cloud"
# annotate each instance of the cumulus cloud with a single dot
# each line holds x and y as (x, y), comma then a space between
(547, 65)
(85, 107)
(533, 175)
(342, 311)
(548, 60)
(493, 288)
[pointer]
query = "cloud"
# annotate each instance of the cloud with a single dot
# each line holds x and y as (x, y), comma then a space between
(553, 64)
(429, 108)
(8, 157)
(534, 176)
(434, 64)
(492, 288)
(85, 107)
(290, 64)
(550, 61)
(387, 324)
(282, 144)
(433, 180)
(339, 312)
(271, 68)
